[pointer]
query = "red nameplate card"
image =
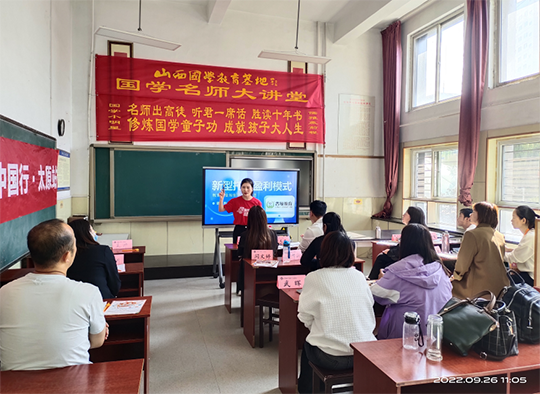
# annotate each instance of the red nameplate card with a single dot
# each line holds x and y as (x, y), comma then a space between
(283, 238)
(396, 237)
(296, 254)
(123, 244)
(262, 254)
(290, 281)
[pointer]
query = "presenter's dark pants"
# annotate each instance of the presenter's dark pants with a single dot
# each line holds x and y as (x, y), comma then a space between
(322, 359)
(238, 230)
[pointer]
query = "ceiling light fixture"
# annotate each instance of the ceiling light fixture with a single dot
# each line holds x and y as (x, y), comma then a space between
(137, 38)
(294, 56)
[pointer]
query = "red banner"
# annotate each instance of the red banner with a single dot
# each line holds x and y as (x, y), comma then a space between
(147, 100)
(28, 178)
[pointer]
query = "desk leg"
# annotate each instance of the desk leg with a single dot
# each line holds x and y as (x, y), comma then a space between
(249, 302)
(146, 353)
(288, 346)
(228, 278)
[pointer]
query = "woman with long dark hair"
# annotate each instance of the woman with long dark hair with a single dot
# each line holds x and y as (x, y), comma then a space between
(390, 256)
(257, 237)
(418, 282)
(310, 258)
(337, 308)
(479, 264)
(521, 259)
(94, 263)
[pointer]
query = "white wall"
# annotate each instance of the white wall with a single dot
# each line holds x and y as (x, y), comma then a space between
(35, 70)
(25, 62)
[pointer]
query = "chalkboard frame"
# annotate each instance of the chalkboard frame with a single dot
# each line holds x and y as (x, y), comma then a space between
(229, 153)
(109, 184)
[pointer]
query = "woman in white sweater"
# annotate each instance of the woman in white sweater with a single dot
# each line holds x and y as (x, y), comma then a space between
(521, 258)
(336, 306)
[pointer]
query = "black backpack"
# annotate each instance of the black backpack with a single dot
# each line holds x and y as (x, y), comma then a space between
(524, 301)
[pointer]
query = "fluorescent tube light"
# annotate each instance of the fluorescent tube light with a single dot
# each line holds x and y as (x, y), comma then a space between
(137, 38)
(294, 57)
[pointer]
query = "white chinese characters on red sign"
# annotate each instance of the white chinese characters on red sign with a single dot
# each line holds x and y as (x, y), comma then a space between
(28, 178)
(15, 177)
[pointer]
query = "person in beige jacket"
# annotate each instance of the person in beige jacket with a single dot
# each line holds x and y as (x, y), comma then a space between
(479, 263)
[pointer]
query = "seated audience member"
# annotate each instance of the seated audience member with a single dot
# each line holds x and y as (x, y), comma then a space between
(418, 282)
(464, 219)
(94, 263)
(47, 320)
(317, 209)
(257, 237)
(479, 264)
(390, 256)
(337, 308)
(310, 258)
(521, 259)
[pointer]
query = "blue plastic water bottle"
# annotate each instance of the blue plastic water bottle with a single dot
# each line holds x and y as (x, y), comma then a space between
(286, 251)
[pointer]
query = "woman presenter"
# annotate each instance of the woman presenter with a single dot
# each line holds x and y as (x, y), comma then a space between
(240, 206)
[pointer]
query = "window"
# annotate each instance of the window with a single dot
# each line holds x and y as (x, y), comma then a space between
(518, 39)
(519, 172)
(516, 180)
(437, 61)
(433, 183)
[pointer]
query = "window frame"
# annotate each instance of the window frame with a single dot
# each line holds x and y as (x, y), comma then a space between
(411, 55)
(496, 45)
(498, 188)
(410, 182)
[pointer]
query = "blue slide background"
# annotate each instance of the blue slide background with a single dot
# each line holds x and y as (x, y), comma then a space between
(276, 189)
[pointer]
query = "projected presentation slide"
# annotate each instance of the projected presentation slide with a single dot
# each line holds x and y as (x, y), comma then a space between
(276, 189)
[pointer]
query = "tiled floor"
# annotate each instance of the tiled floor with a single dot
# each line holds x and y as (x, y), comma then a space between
(196, 346)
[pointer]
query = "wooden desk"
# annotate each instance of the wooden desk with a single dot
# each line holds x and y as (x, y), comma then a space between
(259, 282)
(113, 377)
(128, 338)
(292, 335)
(133, 257)
(232, 265)
(385, 367)
(132, 280)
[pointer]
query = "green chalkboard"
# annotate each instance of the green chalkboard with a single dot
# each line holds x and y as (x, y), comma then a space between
(13, 233)
(151, 182)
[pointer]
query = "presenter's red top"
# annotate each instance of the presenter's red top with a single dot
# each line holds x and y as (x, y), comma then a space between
(240, 209)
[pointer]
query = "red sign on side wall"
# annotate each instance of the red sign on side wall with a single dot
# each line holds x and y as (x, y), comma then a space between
(28, 179)
(146, 100)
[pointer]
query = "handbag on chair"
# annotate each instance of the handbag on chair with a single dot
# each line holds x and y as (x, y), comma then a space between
(524, 301)
(467, 321)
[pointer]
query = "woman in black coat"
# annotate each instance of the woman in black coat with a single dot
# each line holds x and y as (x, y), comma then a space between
(390, 256)
(94, 263)
(310, 257)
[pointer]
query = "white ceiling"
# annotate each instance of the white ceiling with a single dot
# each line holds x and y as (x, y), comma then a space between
(310, 10)
(351, 18)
